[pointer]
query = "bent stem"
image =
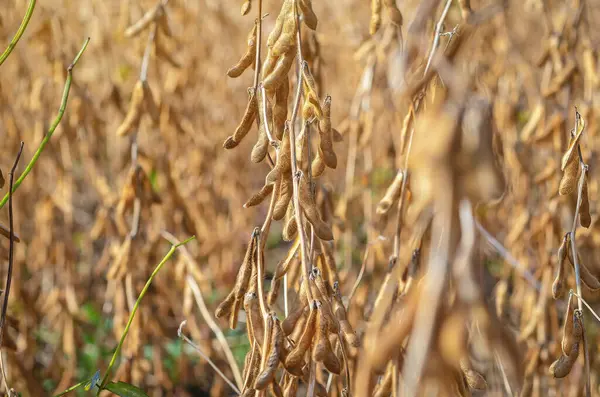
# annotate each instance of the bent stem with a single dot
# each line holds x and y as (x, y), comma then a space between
(584, 169)
(204, 356)
(61, 112)
(135, 308)
(17, 37)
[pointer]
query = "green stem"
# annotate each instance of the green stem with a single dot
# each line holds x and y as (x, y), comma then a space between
(135, 307)
(70, 389)
(61, 112)
(15, 40)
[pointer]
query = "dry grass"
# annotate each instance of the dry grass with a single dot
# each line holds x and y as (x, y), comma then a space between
(387, 200)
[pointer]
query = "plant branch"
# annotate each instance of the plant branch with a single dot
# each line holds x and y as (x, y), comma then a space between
(204, 356)
(135, 308)
(61, 112)
(11, 249)
(17, 37)
(436, 39)
(215, 328)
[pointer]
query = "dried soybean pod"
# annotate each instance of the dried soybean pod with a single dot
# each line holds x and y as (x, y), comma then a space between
(286, 10)
(375, 16)
(280, 72)
(150, 104)
(568, 182)
(259, 151)
(268, 374)
(287, 39)
(322, 350)
(283, 266)
(235, 311)
(273, 292)
(284, 160)
(394, 12)
(245, 272)
(308, 15)
(290, 227)
(562, 367)
(289, 323)
(474, 379)
(322, 230)
(310, 91)
(584, 209)
(286, 191)
(318, 165)
(224, 307)
(260, 196)
(248, 58)
(348, 333)
(295, 358)
(558, 286)
(326, 140)
(567, 340)
(253, 318)
(572, 152)
(280, 109)
(242, 129)
(150, 16)
(134, 113)
(587, 277)
(573, 330)
(392, 194)
(329, 268)
(246, 7)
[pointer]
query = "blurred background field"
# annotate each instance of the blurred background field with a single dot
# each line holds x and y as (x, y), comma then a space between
(81, 261)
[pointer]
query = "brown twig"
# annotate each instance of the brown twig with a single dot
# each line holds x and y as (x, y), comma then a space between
(11, 244)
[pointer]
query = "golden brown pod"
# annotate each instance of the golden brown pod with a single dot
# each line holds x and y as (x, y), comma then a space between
(286, 191)
(308, 15)
(280, 72)
(295, 359)
(375, 16)
(573, 327)
(584, 209)
(310, 94)
(287, 39)
(587, 277)
(394, 12)
(318, 165)
(280, 109)
(248, 58)
(246, 7)
(326, 140)
(235, 311)
(255, 325)
(322, 350)
(259, 151)
(289, 323)
(290, 226)
(268, 374)
(284, 14)
(307, 203)
(283, 165)
(558, 286)
(150, 16)
(392, 194)
(245, 272)
(474, 379)
(562, 367)
(224, 307)
(259, 197)
(134, 114)
(242, 129)
(568, 182)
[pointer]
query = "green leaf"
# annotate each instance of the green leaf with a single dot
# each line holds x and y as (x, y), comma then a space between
(125, 389)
